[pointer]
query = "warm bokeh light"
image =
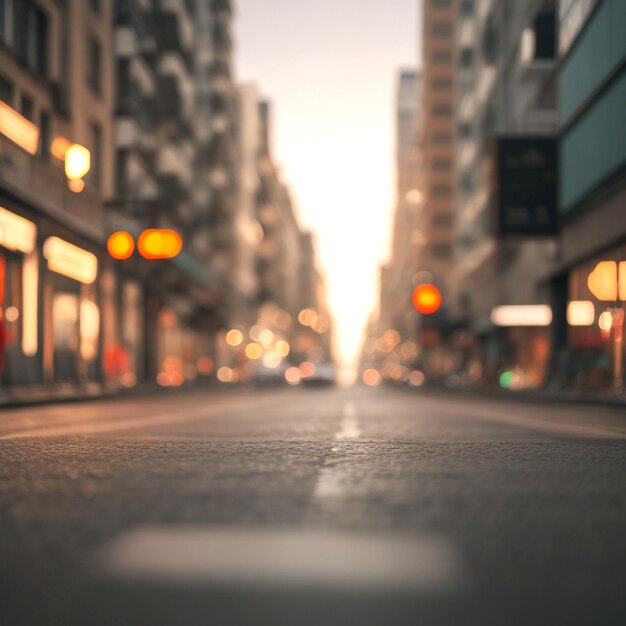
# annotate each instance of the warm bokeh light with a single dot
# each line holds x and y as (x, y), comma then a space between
(605, 321)
(416, 378)
(372, 377)
(157, 243)
(225, 375)
(266, 336)
(282, 348)
(306, 316)
(77, 161)
(30, 299)
(426, 299)
(234, 337)
(16, 232)
(293, 375)
(76, 185)
(59, 147)
(18, 129)
(121, 245)
(307, 369)
(70, 260)
(320, 324)
(391, 337)
(602, 281)
(522, 315)
(204, 365)
(580, 313)
(621, 281)
(254, 351)
(272, 360)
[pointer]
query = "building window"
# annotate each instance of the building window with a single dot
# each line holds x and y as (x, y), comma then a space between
(466, 8)
(442, 110)
(442, 165)
(545, 36)
(442, 57)
(6, 90)
(442, 221)
(441, 84)
(93, 66)
(440, 4)
(441, 192)
(441, 250)
(96, 154)
(96, 5)
(466, 58)
(121, 166)
(27, 107)
(442, 138)
(441, 29)
(465, 130)
(44, 135)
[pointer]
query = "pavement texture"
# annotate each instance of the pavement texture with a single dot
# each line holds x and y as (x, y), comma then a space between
(300, 507)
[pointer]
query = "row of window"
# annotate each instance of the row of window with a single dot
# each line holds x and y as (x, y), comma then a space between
(25, 27)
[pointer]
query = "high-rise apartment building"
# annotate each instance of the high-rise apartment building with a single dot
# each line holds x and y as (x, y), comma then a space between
(438, 139)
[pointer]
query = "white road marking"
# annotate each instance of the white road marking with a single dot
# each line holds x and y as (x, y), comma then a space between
(349, 424)
(282, 559)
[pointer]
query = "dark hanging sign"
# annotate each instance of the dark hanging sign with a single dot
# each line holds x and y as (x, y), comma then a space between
(524, 186)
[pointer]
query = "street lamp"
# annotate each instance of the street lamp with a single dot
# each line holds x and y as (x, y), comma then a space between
(77, 165)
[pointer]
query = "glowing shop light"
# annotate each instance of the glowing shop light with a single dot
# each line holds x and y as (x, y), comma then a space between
(59, 147)
(30, 289)
(293, 375)
(306, 316)
(621, 281)
(580, 313)
(18, 129)
(121, 245)
(602, 282)
(70, 260)
(282, 348)
(77, 161)
(157, 243)
(522, 315)
(372, 377)
(17, 233)
(426, 299)
(254, 351)
(76, 185)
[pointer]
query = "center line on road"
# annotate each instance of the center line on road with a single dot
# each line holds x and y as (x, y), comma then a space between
(349, 424)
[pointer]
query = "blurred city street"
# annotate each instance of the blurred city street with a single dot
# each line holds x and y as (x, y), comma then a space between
(298, 506)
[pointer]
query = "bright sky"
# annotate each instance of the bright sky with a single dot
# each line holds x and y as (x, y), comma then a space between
(330, 67)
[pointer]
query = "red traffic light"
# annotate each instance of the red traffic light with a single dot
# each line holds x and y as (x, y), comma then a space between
(426, 299)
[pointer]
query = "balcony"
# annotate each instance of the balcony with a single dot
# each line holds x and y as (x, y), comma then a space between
(174, 26)
(175, 160)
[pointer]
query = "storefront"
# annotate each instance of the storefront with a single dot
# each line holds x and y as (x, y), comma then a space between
(595, 316)
(19, 268)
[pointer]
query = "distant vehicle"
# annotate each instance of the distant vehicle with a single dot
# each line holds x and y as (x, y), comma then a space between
(262, 376)
(322, 374)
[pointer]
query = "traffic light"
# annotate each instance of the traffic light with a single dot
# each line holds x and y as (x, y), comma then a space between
(159, 243)
(121, 245)
(426, 299)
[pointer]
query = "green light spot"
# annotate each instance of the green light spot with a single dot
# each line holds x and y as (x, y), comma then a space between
(505, 379)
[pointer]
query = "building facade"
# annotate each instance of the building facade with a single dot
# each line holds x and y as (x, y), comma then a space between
(589, 275)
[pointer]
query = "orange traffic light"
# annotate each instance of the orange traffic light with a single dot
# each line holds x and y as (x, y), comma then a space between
(426, 299)
(158, 243)
(121, 245)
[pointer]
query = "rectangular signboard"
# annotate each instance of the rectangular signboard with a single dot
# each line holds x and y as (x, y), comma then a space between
(524, 186)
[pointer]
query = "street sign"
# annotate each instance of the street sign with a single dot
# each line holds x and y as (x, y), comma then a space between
(524, 186)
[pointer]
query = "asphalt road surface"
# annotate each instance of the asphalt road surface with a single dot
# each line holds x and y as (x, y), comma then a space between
(312, 507)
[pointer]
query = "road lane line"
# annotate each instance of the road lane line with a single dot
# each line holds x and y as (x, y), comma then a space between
(282, 559)
(349, 424)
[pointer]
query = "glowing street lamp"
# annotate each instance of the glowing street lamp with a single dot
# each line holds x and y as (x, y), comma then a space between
(426, 299)
(77, 161)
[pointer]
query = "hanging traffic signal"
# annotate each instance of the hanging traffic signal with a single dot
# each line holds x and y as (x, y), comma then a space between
(426, 299)
(159, 243)
(121, 245)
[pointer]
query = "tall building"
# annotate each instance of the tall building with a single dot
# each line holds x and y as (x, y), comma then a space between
(438, 139)
(56, 89)
(506, 75)
(589, 273)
